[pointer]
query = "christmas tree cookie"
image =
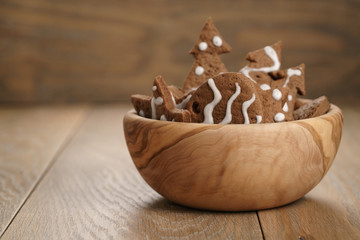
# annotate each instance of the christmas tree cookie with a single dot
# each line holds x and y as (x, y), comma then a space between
(161, 106)
(260, 92)
(206, 52)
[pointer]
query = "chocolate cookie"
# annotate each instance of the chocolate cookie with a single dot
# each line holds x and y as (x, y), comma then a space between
(314, 108)
(161, 106)
(179, 97)
(207, 61)
(226, 98)
(281, 94)
(264, 65)
(142, 105)
(277, 107)
(260, 93)
(277, 87)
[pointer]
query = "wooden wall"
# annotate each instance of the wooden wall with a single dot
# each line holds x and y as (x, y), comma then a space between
(90, 50)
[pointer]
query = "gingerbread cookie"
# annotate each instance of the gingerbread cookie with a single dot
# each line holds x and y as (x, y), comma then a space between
(298, 103)
(142, 105)
(281, 94)
(226, 98)
(161, 106)
(314, 108)
(207, 61)
(263, 65)
(179, 97)
(276, 102)
(260, 93)
(277, 87)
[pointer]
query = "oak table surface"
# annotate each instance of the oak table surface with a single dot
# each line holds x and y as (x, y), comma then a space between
(65, 173)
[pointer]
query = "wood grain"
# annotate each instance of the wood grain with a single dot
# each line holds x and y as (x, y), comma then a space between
(93, 191)
(108, 50)
(30, 137)
(332, 209)
(248, 166)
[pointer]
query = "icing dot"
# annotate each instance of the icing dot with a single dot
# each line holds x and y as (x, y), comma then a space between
(265, 87)
(217, 41)
(203, 46)
(199, 70)
(279, 117)
(276, 94)
(258, 118)
(154, 88)
(163, 118)
(158, 100)
(141, 113)
(285, 107)
(289, 97)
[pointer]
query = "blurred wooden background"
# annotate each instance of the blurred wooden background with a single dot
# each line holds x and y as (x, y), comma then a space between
(71, 51)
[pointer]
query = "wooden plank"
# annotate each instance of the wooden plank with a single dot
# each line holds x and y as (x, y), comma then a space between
(332, 209)
(30, 137)
(108, 50)
(93, 191)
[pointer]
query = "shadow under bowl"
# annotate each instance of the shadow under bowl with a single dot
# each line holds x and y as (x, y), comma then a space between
(234, 167)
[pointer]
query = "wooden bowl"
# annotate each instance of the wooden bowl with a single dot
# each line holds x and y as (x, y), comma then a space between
(233, 167)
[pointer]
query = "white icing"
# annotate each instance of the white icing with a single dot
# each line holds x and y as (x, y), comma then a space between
(286, 107)
(158, 100)
(217, 41)
(258, 118)
(191, 89)
(208, 118)
(271, 54)
(290, 97)
(141, 113)
(163, 118)
(265, 87)
(155, 101)
(219, 74)
(199, 70)
(153, 109)
(154, 88)
(291, 72)
(276, 94)
(279, 117)
(203, 46)
(228, 117)
(183, 103)
(245, 107)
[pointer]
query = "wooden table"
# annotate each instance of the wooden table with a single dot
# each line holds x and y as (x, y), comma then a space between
(65, 173)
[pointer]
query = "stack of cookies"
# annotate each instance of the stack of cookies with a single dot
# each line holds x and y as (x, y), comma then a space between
(260, 92)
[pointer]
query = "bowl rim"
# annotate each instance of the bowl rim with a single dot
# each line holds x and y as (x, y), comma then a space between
(332, 111)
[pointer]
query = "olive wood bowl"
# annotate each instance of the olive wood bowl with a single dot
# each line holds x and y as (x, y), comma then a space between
(234, 167)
